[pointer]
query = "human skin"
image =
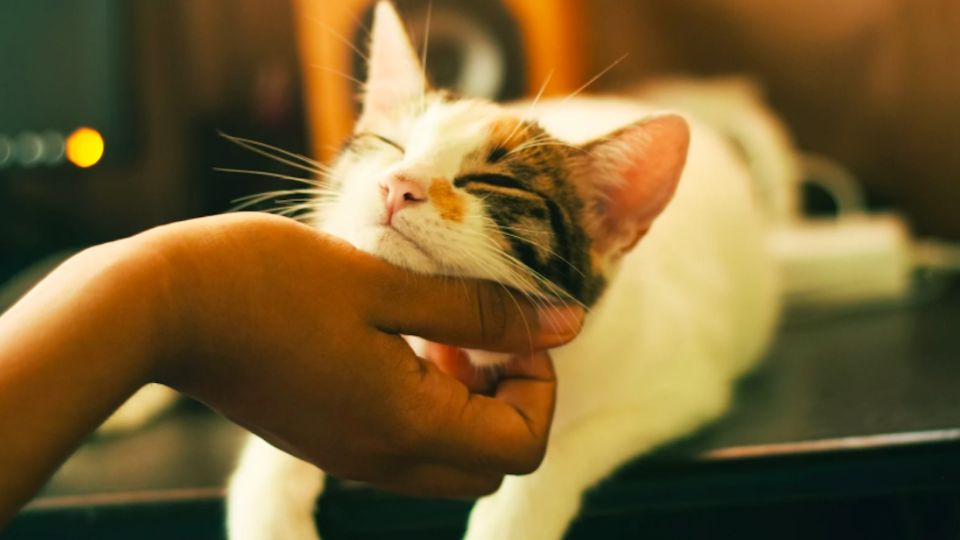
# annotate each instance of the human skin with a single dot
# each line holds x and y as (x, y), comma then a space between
(292, 334)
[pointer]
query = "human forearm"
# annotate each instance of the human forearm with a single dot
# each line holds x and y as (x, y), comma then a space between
(291, 333)
(71, 351)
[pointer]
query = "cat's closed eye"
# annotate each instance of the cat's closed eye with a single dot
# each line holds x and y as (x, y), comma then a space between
(382, 139)
(492, 179)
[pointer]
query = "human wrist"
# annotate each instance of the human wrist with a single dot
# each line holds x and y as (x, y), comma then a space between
(127, 289)
(146, 281)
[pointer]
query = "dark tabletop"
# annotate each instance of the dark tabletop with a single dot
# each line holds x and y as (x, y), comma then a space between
(850, 405)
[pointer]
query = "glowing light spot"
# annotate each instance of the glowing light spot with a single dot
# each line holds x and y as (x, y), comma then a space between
(85, 147)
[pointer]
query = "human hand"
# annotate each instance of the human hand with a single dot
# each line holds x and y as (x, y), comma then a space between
(296, 336)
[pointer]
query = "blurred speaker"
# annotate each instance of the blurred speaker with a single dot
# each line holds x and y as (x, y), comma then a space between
(494, 49)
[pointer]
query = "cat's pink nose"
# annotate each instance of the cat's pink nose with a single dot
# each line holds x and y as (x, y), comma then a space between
(400, 192)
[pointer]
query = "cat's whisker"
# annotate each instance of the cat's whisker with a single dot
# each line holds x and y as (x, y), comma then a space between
(252, 200)
(271, 174)
(535, 139)
(485, 266)
(529, 110)
(552, 289)
(495, 227)
(303, 163)
(545, 249)
(307, 218)
(279, 193)
(540, 301)
(536, 99)
(525, 274)
(291, 210)
(423, 57)
(523, 317)
(530, 145)
(360, 84)
(539, 138)
(595, 78)
(491, 268)
(287, 191)
(280, 211)
(264, 146)
(340, 37)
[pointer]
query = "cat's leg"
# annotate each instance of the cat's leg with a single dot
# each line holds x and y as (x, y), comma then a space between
(272, 495)
(541, 506)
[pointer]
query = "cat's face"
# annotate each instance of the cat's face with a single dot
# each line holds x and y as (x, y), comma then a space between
(466, 188)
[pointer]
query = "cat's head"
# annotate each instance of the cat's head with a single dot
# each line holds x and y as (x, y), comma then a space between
(465, 187)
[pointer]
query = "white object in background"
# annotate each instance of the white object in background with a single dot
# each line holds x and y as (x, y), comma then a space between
(851, 260)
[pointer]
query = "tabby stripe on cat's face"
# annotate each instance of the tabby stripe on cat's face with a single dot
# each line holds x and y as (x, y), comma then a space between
(557, 216)
(499, 180)
(517, 201)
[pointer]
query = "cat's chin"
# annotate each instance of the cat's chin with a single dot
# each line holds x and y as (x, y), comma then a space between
(392, 246)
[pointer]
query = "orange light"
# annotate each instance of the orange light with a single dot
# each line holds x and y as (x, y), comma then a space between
(84, 147)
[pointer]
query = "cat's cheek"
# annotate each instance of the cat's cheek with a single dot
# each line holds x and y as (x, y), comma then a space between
(395, 249)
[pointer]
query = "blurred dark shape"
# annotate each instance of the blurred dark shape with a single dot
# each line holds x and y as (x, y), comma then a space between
(502, 49)
(873, 85)
(158, 80)
(474, 48)
(67, 64)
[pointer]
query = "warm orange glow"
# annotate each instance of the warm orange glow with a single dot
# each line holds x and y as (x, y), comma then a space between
(84, 147)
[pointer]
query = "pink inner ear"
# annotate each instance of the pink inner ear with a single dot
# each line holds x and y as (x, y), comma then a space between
(636, 170)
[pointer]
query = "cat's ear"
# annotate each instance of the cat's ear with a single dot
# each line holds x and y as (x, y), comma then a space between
(394, 74)
(628, 177)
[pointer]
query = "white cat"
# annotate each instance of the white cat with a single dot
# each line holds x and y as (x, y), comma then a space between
(581, 200)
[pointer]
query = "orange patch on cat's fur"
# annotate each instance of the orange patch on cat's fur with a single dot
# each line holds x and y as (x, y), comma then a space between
(449, 204)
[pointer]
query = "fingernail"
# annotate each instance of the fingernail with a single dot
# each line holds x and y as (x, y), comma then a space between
(560, 321)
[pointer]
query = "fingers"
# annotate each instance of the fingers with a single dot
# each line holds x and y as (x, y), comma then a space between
(505, 433)
(471, 314)
(454, 362)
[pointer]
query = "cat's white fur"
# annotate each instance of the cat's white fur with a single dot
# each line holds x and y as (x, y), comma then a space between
(691, 308)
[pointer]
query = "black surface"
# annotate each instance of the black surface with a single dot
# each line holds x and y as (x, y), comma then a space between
(848, 430)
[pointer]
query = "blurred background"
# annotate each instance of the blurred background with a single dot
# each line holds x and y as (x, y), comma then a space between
(873, 85)
(110, 121)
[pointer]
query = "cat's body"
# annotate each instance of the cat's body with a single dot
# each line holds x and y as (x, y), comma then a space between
(688, 303)
(692, 307)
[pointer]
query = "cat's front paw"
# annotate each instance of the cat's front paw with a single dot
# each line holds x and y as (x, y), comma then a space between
(534, 507)
(273, 527)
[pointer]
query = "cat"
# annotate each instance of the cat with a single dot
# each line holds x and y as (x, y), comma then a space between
(645, 217)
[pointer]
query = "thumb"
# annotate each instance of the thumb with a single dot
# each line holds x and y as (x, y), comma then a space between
(470, 313)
